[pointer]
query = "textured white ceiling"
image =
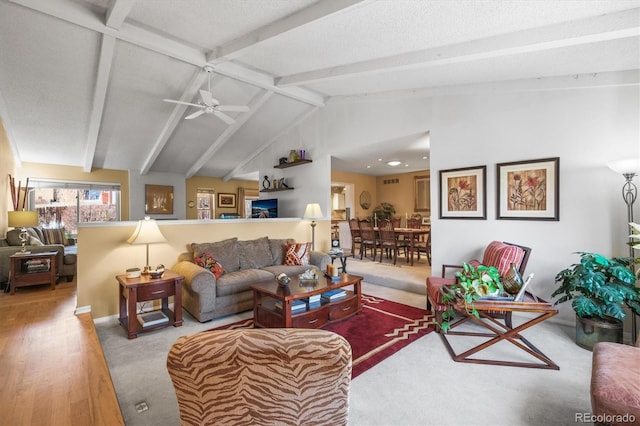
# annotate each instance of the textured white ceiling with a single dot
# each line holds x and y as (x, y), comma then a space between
(82, 82)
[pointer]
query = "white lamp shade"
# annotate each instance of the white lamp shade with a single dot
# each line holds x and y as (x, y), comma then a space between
(147, 232)
(22, 219)
(626, 165)
(313, 211)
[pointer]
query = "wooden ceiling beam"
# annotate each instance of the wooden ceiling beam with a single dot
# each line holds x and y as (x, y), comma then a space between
(117, 12)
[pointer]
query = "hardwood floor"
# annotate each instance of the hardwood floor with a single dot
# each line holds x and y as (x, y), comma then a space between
(53, 370)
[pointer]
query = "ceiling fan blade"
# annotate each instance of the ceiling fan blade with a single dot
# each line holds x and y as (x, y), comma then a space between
(207, 98)
(194, 115)
(182, 103)
(233, 108)
(224, 117)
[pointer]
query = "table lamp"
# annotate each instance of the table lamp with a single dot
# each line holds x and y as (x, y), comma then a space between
(312, 212)
(147, 232)
(22, 219)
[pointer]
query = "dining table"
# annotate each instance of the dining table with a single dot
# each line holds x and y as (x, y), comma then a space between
(411, 235)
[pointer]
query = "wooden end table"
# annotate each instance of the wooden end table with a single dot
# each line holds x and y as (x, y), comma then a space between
(145, 288)
(498, 332)
(267, 293)
(20, 274)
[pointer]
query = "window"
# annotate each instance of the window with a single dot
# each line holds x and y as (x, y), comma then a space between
(65, 204)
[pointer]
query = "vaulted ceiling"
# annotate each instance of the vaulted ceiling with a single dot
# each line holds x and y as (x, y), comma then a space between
(82, 82)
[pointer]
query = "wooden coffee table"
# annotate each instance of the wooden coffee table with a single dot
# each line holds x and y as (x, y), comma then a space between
(267, 293)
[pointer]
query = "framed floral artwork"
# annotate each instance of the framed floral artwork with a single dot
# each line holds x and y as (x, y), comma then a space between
(529, 190)
(463, 193)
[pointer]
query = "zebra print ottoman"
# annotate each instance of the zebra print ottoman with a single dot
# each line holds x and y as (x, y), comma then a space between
(261, 377)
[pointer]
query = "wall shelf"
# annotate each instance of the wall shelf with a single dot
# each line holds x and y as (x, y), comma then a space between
(292, 164)
(275, 189)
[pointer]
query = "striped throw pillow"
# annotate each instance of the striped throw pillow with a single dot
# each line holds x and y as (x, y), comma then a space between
(501, 256)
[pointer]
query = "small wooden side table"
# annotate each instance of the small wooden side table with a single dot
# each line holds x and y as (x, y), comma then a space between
(20, 274)
(145, 288)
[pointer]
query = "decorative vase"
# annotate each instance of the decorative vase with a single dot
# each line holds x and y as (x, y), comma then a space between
(512, 280)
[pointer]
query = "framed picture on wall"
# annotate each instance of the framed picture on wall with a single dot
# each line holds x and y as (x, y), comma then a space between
(463, 193)
(226, 200)
(158, 199)
(529, 190)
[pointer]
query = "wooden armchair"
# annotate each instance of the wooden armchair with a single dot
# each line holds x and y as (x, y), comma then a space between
(498, 254)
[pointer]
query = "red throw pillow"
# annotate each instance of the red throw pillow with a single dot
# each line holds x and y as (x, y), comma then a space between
(297, 254)
(209, 262)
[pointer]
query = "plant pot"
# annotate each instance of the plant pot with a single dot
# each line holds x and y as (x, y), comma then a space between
(590, 331)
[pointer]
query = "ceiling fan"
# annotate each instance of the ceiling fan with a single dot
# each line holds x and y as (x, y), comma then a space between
(210, 105)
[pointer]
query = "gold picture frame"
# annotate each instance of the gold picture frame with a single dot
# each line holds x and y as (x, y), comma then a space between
(226, 200)
(158, 199)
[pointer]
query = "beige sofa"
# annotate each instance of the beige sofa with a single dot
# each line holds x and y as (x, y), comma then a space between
(245, 262)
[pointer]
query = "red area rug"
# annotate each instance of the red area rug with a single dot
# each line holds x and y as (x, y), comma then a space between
(380, 330)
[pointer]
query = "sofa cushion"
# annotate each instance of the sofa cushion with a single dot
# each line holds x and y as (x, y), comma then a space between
(242, 280)
(290, 270)
(225, 252)
(297, 254)
(13, 237)
(277, 247)
(39, 233)
(55, 236)
(33, 241)
(254, 254)
(209, 262)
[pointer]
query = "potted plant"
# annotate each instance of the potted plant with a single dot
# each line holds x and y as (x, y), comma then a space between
(471, 284)
(599, 289)
(384, 211)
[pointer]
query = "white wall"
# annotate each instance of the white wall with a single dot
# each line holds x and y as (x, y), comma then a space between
(585, 127)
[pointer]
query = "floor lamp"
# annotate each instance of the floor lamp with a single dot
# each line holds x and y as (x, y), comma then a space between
(147, 232)
(313, 212)
(629, 168)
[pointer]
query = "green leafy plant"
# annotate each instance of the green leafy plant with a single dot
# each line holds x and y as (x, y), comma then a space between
(599, 287)
(384, 211)
(471, 284)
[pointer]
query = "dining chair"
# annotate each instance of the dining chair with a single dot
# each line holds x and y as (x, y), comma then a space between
(419, 243)
(389, 241)
(354, 228)
(368, 238)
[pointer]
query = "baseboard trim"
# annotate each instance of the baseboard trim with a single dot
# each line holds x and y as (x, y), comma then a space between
(83, 310)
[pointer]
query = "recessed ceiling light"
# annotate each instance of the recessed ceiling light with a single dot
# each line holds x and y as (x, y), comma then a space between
(394, 163)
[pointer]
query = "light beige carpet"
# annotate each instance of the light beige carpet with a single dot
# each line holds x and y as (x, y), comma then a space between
(419, 385)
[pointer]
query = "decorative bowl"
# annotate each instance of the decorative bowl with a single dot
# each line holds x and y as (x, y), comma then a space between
(156, 274)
